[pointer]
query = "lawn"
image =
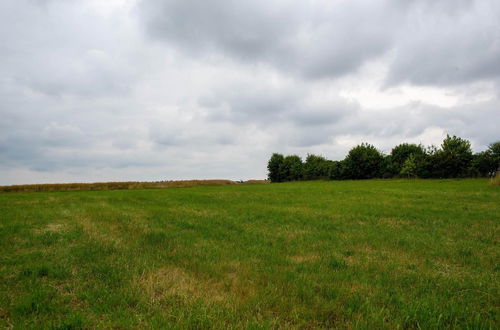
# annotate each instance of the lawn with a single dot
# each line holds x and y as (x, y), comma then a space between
(345, 254)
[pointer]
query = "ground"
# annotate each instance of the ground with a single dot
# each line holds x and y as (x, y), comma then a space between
(346, 254)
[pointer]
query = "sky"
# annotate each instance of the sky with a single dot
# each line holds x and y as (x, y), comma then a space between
(124, 90)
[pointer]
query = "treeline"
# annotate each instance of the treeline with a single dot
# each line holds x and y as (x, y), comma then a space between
(454, 159)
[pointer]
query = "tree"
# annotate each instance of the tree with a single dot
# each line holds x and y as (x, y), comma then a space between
(427, 166)
(401, 152)
(409, 167)
(387, 169)
(455, 157)
(316, 167)
(363, 162)
(292, 168)
(335, 170)
(494, 149)
(483, 164)
(487, 163)
(274, 167)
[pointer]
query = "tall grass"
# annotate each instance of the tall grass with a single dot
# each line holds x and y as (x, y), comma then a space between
(496, 180)
(112, 185)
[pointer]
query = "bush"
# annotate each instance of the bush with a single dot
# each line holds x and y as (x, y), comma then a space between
(483, 164)
(274, 167)
(427, 166)
(363, 162)
(292, 168)
(494, 149)
(455, 158)
(409, 168)
(336, 170)
(400, 153)
(316, 167)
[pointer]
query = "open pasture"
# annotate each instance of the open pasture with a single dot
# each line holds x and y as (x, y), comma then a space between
(346, 254)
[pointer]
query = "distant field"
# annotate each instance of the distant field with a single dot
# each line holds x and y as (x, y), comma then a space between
(116, 185)
(346, 254)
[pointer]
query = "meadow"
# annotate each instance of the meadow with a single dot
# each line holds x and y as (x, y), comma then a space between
(319, 254)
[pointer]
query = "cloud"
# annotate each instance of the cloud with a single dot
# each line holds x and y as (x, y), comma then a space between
(448, 43)
(313, 39)
(444, 43)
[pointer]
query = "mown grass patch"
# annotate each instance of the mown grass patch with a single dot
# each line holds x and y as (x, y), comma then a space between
(349, 254)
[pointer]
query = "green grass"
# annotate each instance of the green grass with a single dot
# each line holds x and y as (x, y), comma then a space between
(350, 254)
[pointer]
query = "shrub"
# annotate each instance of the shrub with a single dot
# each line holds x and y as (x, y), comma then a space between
(483, 164)
(494, 149)
(363, 162)
(316, 167)
(400, 153)
(336, 170)
(455, 158)
(292, 168)
(409, 168)
(274, 167)
(427, 166)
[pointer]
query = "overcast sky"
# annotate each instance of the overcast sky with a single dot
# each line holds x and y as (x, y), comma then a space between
(193, 89)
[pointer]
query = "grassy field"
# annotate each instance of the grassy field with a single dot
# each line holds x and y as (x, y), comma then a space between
(350, 254)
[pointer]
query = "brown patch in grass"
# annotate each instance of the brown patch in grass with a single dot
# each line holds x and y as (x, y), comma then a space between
(394, 222)
(365, 254)
(54, 227)
(67, 290)
(101, 232)
(3, 314)
(51, 227)
(293, 233)
(305, 258)
(174, 281)
(5, 317)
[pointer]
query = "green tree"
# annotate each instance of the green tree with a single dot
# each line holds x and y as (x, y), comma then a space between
(363, 162)
(487, 163)
(292, 168)
(335, 170)
(409, 167)
(483, 164)
(387, 169)
(427, 166)
(274, 167)
(494, 149)
(316, 167)
(455, 158)
(401, 152)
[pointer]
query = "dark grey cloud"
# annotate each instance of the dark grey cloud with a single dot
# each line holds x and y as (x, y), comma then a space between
(243, 103)
(434, 43)
(316, 40)
(268, 105)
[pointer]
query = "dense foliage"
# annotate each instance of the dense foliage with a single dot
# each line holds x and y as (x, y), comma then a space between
(454, 159)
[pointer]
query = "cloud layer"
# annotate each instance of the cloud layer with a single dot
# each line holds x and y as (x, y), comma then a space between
(151, 90)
